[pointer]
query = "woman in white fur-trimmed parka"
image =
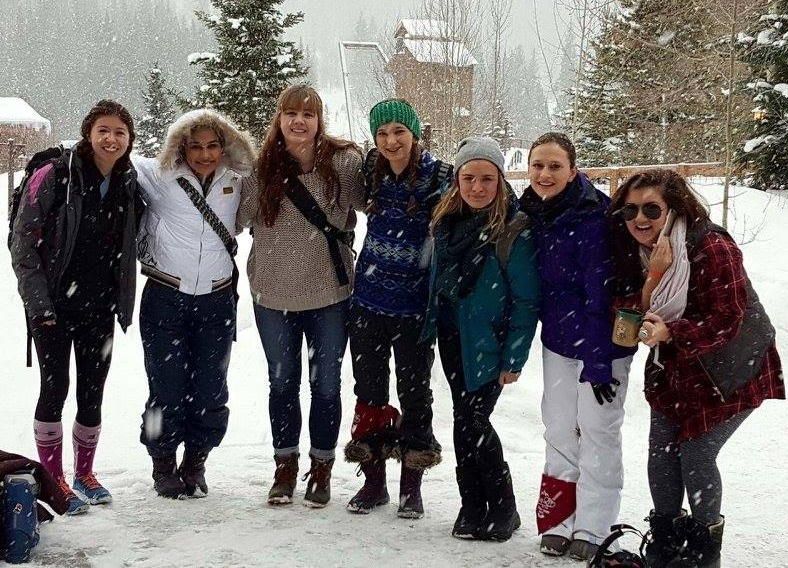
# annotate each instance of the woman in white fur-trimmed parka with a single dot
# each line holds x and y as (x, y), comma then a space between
(187, 315)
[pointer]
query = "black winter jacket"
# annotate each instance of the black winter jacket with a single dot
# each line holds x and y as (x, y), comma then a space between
(45, 232)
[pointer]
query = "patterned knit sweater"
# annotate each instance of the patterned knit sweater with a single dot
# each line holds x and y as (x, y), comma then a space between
(289, 266)
(390, 277)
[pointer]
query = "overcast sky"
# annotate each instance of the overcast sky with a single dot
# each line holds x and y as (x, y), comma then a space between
(343, 14)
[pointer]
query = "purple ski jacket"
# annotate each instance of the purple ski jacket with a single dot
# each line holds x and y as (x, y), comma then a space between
(575, 269)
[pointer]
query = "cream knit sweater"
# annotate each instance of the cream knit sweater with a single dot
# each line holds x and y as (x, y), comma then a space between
(290, 267)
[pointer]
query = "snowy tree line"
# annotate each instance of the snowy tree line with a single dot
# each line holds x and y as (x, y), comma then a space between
(63, 58)
(655, 84)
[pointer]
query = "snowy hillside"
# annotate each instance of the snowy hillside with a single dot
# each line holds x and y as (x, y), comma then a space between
(233, 526)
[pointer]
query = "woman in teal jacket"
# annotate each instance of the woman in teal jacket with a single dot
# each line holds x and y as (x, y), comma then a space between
(484, 304)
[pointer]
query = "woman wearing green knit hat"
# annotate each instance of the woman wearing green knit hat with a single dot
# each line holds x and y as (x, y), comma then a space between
(388, 308)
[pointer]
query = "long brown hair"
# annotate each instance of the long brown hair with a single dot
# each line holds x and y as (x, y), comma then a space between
(275, 164)
(675, 190)
(380, 169)
(452, 203)
(679, 197)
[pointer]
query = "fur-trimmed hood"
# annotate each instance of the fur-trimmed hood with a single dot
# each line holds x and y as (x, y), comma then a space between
(239, 154)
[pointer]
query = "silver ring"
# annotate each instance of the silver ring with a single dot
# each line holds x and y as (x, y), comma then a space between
(643, 334)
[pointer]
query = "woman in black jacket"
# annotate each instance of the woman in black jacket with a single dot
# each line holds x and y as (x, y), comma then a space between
(73, 253)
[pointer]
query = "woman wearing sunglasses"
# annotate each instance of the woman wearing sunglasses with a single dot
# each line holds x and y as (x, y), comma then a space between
(585, 375)
(713, 360)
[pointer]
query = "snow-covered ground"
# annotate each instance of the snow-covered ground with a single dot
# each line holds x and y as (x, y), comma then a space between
(234, 527)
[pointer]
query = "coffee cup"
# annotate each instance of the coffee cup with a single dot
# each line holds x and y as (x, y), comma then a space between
(626, 327)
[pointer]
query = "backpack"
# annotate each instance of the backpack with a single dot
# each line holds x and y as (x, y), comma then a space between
(503, 246)
(38, 160)
(604, 558)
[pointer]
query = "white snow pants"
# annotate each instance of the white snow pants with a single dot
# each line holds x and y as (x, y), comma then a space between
(584, 444)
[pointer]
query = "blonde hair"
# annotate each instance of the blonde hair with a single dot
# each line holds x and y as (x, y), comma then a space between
(452, 203)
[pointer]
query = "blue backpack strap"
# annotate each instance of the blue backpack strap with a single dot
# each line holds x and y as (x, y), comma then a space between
(442, 172)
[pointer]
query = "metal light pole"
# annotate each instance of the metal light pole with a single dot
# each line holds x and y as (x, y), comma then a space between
(358, 45)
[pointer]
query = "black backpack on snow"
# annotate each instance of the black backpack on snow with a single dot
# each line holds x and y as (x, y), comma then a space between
(38, 160)
(605, 558)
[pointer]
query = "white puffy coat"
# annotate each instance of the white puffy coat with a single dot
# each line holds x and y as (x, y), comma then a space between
(174, 238)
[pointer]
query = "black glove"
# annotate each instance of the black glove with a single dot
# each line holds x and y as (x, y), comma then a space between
(605, 392)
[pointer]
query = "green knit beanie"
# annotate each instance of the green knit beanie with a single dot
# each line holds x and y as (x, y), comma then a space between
(394, 110)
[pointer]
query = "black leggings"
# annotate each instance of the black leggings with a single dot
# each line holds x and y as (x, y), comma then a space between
(372, 338)
(476, 443)
(690, 465)
(91, 334)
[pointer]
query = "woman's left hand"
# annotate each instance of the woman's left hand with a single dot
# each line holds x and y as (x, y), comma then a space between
(654, 330)
(507, 378)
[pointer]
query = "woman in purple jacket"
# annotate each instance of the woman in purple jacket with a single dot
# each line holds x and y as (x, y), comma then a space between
(585, 375)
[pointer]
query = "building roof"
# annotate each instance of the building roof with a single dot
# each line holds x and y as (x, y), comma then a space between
(423, 29)
(453, 53)
(16, 112)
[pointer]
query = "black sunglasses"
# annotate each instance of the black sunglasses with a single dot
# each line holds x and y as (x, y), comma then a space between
(651, 210)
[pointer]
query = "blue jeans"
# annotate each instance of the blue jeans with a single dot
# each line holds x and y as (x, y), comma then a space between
(281, 333)
(187, 341)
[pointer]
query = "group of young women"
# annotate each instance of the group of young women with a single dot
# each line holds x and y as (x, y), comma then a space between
(451, 254)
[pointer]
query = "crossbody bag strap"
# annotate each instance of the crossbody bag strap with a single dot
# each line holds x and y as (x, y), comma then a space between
(300, 197)
(229, 241)
(210, 216)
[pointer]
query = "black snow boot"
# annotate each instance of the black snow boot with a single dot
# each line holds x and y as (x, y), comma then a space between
(374, 491)
(410, 503)
(285, 479)
(474, 503)
(502, 518)
(666, 537)
(166, 480)
(318, 488)
(192, 472)
(704, 545)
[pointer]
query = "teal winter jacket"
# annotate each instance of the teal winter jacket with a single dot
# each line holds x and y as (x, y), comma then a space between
(497, 320)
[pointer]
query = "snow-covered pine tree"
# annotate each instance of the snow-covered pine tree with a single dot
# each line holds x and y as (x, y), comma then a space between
(159, 113)
(765, 49)
(500, 126)
(253, 64)
(604, 121)
(566, 75)
(523, 97)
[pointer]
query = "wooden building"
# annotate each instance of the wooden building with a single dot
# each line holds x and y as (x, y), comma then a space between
(20, 121)
(434, 71)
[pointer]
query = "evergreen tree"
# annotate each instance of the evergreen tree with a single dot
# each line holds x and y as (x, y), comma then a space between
(765, 49)
(253, 64)
(159, 114)
(523, 98)
(500, 126)
(655, 90)
(604, 121)
(566, 76)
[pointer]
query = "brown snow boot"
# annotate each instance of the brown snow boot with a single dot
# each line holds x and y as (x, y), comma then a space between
(285, 478)
(318, 488)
